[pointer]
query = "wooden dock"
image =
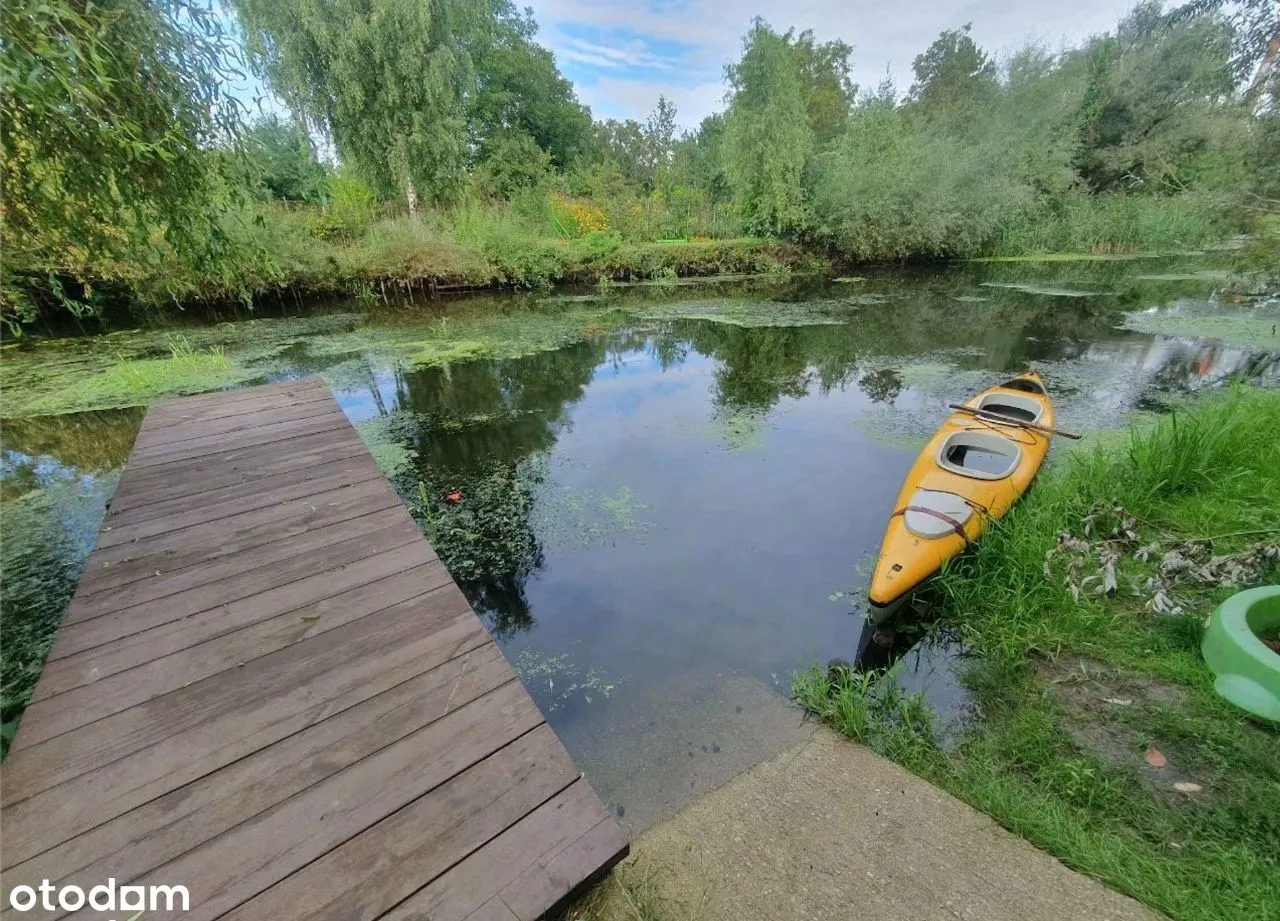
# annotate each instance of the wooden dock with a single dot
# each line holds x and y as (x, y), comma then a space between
(268, 689)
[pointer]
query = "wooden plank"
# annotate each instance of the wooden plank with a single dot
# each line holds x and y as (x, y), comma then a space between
(164, 484)
(493, 910)
(209, 447)
(165, 625)
(232, 534)
(536, 839)
(451, 762)
(295, 484)
(228, 424)
(281, 394)
(167, 827)
(200, 513)
(184, 441)
(375, 870)
(136, 649)
(556, 877)
(46, 786)
(243, 462)
(100, 697)
(163, 584)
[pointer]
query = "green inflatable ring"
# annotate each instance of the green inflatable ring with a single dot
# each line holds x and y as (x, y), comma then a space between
(1248, 671)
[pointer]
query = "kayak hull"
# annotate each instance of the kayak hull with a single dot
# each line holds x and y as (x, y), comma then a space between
(971, 472)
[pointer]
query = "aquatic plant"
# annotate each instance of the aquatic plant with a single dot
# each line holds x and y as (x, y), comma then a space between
(57, 517)
(558, 680)
(868, 706)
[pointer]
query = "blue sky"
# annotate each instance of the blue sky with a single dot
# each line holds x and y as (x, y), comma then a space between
(621, 54)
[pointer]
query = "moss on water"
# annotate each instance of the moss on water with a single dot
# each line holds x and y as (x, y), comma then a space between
(389, 439)
(58, 519)
(137, 367)
(1045, 290)
(749, 314)
(1250, 330)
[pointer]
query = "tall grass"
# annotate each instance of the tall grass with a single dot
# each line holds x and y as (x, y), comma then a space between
(1080, 223)
(1000, 597)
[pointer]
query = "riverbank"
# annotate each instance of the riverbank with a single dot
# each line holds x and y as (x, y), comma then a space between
(1095, 732)
(271, 255)
(274, 255)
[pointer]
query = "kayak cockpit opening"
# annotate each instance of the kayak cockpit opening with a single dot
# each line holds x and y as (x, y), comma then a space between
(1026, 385)
(980, 455)
(1012, 406)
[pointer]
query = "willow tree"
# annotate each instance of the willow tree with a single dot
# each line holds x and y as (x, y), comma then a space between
(767, 138)
(385, 80)
(108, 109)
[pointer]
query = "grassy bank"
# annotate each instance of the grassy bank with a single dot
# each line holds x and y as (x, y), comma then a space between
(1097, 734)
(269, 253)
(272, 252)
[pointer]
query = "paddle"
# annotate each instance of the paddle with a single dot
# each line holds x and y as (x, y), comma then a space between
(1005, 420)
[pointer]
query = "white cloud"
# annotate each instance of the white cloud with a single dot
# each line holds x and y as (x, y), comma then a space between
(632, 54)
(883, 35)
(611, 97)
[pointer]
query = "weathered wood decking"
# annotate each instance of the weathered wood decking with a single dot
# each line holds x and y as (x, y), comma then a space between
(268, 689)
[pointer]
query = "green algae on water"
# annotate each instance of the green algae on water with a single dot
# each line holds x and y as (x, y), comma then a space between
(58, 521)
(557, 680)
(1250, 331)
(1045, 290)
(581, 518)
(137, 367)
(748, 313)
(388, 438)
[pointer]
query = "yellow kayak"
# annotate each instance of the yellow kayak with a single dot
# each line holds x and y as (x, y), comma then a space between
(972, 470)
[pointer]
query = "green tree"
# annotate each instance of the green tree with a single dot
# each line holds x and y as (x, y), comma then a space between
(1256, 24)
(626, 146)
(953, 77)
(828, 90)
(385, 79)
(280, 163)
(766, 147)
(107, 109)
(1161, 106)
(698, 160)
(660, 139)
(510, 161)
(518, 87)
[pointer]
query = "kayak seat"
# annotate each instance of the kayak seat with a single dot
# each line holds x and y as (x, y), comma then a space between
(980, 455)
(932, 514)
(1025, 384)
(1012, 406)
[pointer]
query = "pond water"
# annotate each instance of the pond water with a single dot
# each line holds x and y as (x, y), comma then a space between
(661, 500)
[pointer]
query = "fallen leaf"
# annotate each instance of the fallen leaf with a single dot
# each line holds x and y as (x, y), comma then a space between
(1118, 701)
(1186, 786)
(311, 618)
(1155, 758)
